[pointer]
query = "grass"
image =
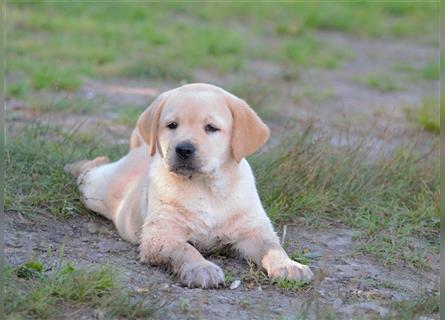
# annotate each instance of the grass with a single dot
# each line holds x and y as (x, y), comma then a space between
(128, 115)
(54, 46)
(392, 200)
(426, 304)
(299, 257)
(34, 178)
(431, 71)
(66, 103)
(228, 277)
(32, 292)
(383, 83)
(427, 116)
(308, 51)
(290, 285)
(254, 277)
(313, 95)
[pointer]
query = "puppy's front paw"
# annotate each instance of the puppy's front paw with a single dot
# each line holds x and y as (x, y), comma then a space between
(202, 275)
(291, 270)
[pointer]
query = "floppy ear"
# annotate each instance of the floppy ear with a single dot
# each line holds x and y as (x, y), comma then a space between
(148, 122)
(249, 132)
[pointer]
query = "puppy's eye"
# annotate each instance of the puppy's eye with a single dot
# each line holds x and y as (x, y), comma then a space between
(210, 128)
(172, 126)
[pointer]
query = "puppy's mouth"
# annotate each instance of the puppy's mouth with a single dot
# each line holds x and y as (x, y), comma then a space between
(184, 169)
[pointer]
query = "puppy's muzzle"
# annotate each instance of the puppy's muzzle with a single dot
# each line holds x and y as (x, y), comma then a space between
(185, 161)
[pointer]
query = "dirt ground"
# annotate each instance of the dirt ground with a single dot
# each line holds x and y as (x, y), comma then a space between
(348, 285)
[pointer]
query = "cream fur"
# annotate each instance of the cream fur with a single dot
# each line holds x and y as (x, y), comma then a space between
(173, 217)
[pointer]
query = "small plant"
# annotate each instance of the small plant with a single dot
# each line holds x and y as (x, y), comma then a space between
(185, 304)
(254, 276)
(30, 269)
(299, 257)
(229, 277)
(290, 285)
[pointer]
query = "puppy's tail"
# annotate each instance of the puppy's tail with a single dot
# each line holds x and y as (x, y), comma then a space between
(79, 167)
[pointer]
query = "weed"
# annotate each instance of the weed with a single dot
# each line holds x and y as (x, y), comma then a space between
(290, 285)
(255, 276)
(245, 304)
(30, 269)
(229, 277)
(298, 257)
(185, 304)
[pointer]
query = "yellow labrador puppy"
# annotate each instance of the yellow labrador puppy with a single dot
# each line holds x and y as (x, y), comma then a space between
(185, 186)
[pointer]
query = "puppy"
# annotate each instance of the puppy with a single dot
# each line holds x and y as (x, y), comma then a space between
(185, 187)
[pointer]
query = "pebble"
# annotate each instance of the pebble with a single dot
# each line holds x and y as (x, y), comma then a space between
(91, 228)
(235, 284)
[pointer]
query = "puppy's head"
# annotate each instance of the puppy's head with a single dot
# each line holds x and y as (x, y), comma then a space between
(198, 127)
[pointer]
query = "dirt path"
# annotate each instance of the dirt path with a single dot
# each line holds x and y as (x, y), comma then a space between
(347, 284)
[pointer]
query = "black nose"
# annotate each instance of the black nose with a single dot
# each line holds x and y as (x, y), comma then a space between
(185, 150)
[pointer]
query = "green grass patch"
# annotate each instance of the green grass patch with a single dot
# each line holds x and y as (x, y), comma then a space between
(382, 83)
(55, 45)
(17, 90)
(32, 293)
(313, 95)
(48, 102)
(309, 51)
(34, 159)
(128, 115)
(63, 79)
(299, 257)
(392, 199)
(425, 304)
(255, 277)
(431, 71)
(290, 285)
(427, 116)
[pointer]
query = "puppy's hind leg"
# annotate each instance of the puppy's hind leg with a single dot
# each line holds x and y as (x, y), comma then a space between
(79, 167)
(91, 185)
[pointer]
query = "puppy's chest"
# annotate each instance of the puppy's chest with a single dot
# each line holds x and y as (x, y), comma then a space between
(208, 226)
